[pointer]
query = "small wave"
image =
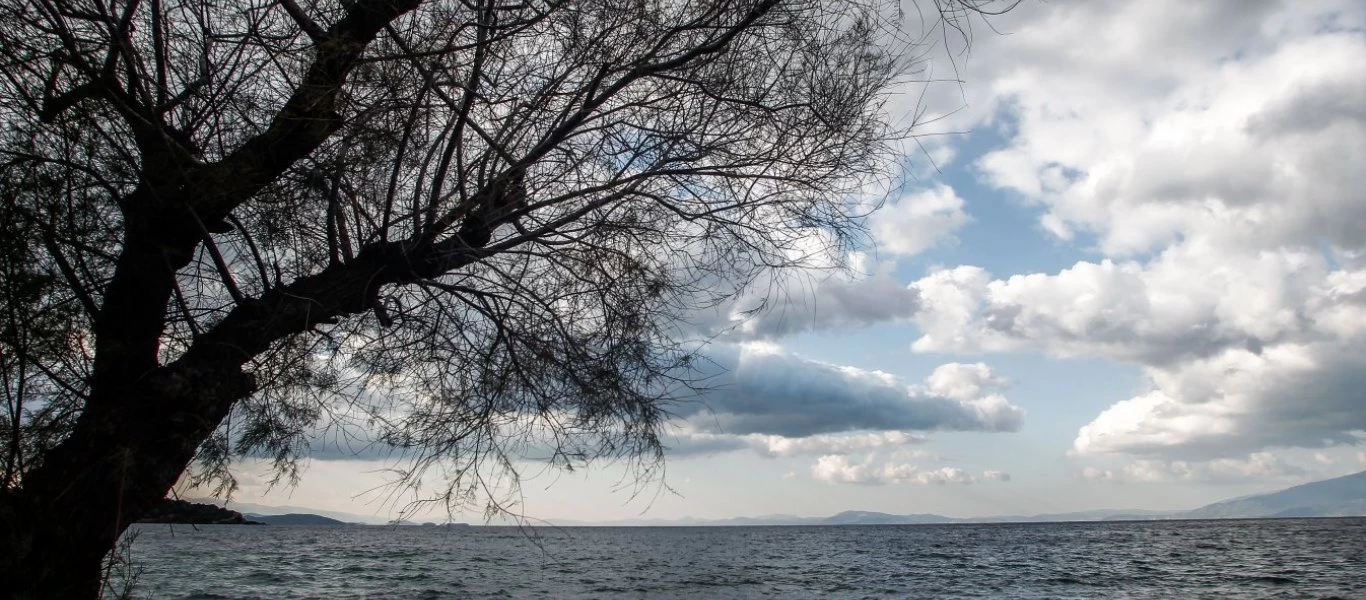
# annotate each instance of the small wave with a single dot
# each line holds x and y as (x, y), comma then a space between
(261, 576)
(1065, 580)
(1306, 561)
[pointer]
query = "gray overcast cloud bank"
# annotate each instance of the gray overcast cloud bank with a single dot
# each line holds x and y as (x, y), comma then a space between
(760, 389)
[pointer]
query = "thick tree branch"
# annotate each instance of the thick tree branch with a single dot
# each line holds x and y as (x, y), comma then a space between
(161, 214)
(307, 119)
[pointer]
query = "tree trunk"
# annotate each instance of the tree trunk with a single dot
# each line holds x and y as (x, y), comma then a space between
(53, 562)
(142, 422)
(115, 466)
(130, 446)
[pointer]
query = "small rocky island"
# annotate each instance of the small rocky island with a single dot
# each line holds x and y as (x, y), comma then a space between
(193, 513)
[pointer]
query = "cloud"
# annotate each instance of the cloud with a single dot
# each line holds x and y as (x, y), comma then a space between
(825, 302)
(693, 443)
(964, 382)
(839, 469)
(1215, 172)
(1240, 352)
(834, 293)
(773, 445)
(762, 389)
(1227, 159)
(1189, 302)
(992, 475)
(760, 398)
(918, 221)
(1140, 123)
(1294, 395)
(826, 288)
(1253, 467)
(1206, 155)
(942, 476)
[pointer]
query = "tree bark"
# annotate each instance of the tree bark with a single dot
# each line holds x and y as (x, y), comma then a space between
(121, 459)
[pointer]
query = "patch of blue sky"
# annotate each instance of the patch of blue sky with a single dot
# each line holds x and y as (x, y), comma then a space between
(1004, 235)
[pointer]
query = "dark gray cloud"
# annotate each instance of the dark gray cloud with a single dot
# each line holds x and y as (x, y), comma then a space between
(1312, 108)
(760, 398)
(764, 390)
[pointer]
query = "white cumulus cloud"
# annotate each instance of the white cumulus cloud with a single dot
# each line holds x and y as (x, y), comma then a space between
(1209, 154)
(1256, 466)
(839, 469)
(918, 221)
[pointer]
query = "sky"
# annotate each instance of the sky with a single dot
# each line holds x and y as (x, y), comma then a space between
(1127, 269)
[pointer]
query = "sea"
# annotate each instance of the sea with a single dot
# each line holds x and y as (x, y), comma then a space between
(1311, 559)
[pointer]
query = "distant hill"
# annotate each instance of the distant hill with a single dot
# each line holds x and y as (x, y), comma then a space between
(863, 517)
(1104, 514)
(264, 509)
(191, 513)
(1340, 497)
(295, 519)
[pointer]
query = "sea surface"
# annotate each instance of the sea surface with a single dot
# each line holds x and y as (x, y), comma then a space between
(1284, 559)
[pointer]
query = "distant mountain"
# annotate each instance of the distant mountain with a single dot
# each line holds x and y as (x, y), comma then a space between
(762, 520)
(863, 517)
(303, 515)
(264, 509)
(1104, 514)
(1340, 497)
(295, 519)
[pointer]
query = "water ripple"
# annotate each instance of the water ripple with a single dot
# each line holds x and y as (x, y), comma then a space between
(1291, 559)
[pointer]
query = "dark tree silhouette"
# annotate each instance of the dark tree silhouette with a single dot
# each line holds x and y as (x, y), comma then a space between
(473, 228)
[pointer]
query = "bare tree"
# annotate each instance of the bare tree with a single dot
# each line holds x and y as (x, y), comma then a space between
(474, 227)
